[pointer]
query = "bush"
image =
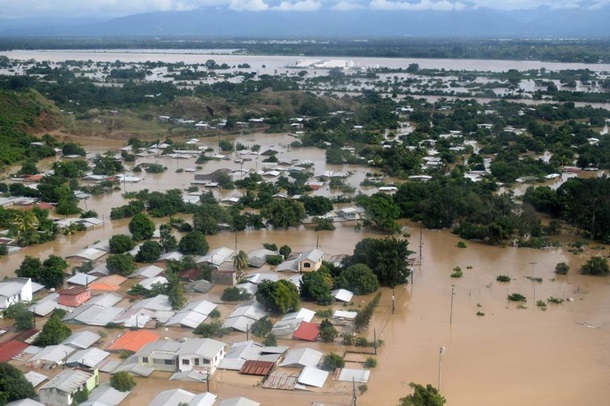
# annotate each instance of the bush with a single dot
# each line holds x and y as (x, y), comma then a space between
(194, 243)
(121, 243)
(211, 330)
(150, 251)
(562, 268)
(332, 361)
(597, 266)
(328, 332)
(364, 317)
(274, 259)
(261, 327)
(554, 300)
(457, 272)
(234, 294)
(370, 362)
(461, 244)
(270, 340)
(215, 314)
(517, 297)
(122, 381)
(347, 339)
(503, 278)
(363, 388)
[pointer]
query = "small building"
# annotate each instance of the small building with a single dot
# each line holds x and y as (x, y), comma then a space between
(200, 354)
(240, 401)
(351, 213)
(74, 296)
(60, 390)
(15, 290)
(306, 261)
(225, 276)
(307, 332)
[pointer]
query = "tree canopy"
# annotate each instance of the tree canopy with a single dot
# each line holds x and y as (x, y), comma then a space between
(596, 266)
(315, 287)
(422, 396)
(53, 332)
(280, 296)
(122, 264)
(284, 213)
(13, 385)
(358, 278)
(120, 243)
(387, 258)
(49, 273)
(141, 227)
(194, 243)
(150, 251)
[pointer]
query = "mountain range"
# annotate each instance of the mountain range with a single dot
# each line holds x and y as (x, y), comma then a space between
(223, 23)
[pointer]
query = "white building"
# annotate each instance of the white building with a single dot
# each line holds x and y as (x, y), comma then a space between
(15, 290)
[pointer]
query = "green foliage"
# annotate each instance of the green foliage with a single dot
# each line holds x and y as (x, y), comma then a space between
(107, 165)
(284, 213)
(141, 227)
(285, 251)
(208, 216)
(128, 210)
(155, 168)
(122, 381)
(80, 396)
(270, 246)
(53, 332)
(270, 340)
(122, 264)
(381, 212)
(175, 290)
(240, 260)
(325, 314)
(387, 258)
(517, 297)
(24, 319)
(49, 273)
(324, 224)
(234, 294)
(280, 296)
(370, 362)
(461, 244)
(194, 243)
(562, 268)
(364, 316)
(274, 259)
(332, 361)
(168, 241)
(121, 243)
(328, 332)
(457, 272)
(358, 278)
(554, 300)
(503, 278)
(347, 339)
(71, 148)
(316, 205)
(211, 330)
(315, 287)
(541, 304)
(363, 388)
(13, 385)
(150, 251)
(422, 396)
(215, 314)
(261, 327)
(597, 266)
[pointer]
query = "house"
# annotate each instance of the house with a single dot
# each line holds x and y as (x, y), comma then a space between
(177, 397)
(50, 356)
(306, 261)
(60, 390)
(351, 213)
(133, 341)
(200, 354)
(15, 290)
(225, 276)
(240, 401)
(74, 296)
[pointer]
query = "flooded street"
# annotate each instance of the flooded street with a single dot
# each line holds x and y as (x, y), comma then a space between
(508, 356)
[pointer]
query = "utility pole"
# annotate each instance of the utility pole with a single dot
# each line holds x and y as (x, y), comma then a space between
(533, 264)
(451, 311)
(393, 303)
(375, 341)
(440, 358)
(317, 241)
(421, 244)
(353, 392)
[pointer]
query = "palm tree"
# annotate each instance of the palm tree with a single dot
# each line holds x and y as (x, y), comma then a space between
(26, 225)
(240, 261)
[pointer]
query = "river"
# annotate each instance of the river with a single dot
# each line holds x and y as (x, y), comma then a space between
(274, 62)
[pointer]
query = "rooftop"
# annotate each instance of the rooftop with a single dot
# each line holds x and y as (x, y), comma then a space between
(68, 381)
(133, 340)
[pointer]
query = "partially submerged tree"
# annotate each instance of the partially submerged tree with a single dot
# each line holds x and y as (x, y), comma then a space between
(53, 332)
(280, 296)
(13, 385)
(122, 381)
(422, 396)
(141, 227)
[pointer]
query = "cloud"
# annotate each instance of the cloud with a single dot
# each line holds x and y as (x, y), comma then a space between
(347, 6)
(248, 5)
(303, 5)
(528, 4)
(441, 5)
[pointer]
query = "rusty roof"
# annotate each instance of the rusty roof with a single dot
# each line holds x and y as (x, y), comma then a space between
(11, 349)
(260, 368)
(281, 380)
(73, 291)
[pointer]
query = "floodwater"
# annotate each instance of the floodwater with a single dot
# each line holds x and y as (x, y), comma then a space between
(273, 62)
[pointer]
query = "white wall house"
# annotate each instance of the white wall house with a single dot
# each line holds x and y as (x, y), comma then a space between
(15, 290)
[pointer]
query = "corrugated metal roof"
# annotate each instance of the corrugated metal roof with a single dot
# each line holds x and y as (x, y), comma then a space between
(107, 395)
(304, 314)
(35, 378)
(302, 357)
(307, 331)
(172, 397)
(133, 340)
(281, 380)
(82, 339)
(343, 295)
(205, 347)
(241, 401)
(88, 358)
(259, 368)
(204, 399)
(11, 349)
(81, 279)
(52, 354)
(68, 381)
(351, 375)
(25, 402)
(312, 376)
(147, 272)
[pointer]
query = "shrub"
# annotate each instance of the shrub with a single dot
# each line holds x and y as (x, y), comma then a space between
(332, 361)
(457, 272)
(503, 278)
(215, 314)
(211, 330)
(274, 259)
(363, 388)
(517, 297)
(270, 340)
(234, 294)
(261, 327)
(122, 381)
(479, 313)
(328, 332)
(554, 300)
(370, 362)
(461, 244)
(562, 268)
(347, 339)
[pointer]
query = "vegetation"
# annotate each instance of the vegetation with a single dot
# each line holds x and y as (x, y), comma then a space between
(315, 287)
(370, 362)
(328, 332)
(194, 243)
(141, 227)
(149, 251)
(517, 297)
(359, 279)
(562, 268)
(284, 213)
(387, 258)
(270, 340)
(49, 273)
(261, 327)
(597, 266)
(24, 319)
(211, 330)
(422, 396)
(364, 316)
(280, 297)
(122, 381)
(122, 264)
(332, 361)
(121, 243)
(503, 278)
(53, 332)
(13, 385)
(235, 294)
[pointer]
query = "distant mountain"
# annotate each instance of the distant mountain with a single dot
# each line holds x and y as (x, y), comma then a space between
(217, 23)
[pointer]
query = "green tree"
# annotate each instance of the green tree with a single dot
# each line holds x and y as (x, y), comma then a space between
(358, 278)
(328, 332)
(596, 266)
(422, 396)
(150, 251)
(141, 227)
(167, 241)
(209, 215)
(280, 296)
(13, 385)
(53, 332)
(240, 261)
(24, 319)
(234, 294)
(285, 251)
(317, 205)
(380, 212)
(49, 273)
(284, 213)
(261, 327)
(364, 316)
(332, 361)
(314, 287)
(122, 381)
(175, 291)
(211, 330)
(562, 268)
(387, 258)
(121, 264)
(270, 340)
(194, 243)
(121, 243)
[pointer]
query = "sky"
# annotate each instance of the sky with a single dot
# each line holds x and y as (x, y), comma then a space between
(116, 8)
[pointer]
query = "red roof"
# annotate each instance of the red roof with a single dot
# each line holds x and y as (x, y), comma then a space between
(133, 340)
(11, 349)
(307, 331)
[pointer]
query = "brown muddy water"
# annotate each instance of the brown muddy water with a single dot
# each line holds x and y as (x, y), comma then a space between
(509, 356)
